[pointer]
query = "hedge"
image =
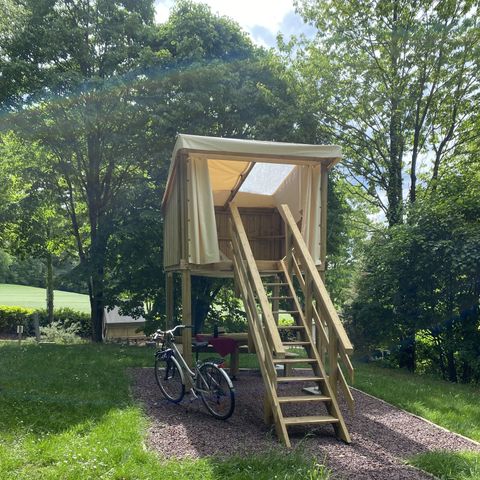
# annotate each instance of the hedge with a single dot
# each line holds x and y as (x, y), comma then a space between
(10, 317)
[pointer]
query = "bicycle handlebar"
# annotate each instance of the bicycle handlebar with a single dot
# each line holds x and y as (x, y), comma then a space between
(172, 331)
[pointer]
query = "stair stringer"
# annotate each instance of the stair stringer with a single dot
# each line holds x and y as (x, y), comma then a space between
(319, 368)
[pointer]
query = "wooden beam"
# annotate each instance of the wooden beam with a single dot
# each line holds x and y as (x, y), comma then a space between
(187, 315)
(169, 296)
(323, 218)
(239, 184)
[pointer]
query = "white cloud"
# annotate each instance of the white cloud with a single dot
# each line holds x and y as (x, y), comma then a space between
(263, 19)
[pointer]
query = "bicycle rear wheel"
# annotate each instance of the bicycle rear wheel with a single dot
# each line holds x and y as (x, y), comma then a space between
(169, 376)
(216, 391)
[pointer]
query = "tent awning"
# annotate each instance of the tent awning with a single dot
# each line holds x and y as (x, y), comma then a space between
(229, 158)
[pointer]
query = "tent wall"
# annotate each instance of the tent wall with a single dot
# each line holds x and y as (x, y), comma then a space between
(171, 227)
(202, 229)
(265, 231)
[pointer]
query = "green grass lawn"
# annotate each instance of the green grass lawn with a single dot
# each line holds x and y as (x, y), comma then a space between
(66, 413)
(33, 297)
(449, 465)
(453, 406)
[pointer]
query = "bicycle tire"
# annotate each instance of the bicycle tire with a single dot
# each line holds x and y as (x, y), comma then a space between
(220, 401)
(170, 378)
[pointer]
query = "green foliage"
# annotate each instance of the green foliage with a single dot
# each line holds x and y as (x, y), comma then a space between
(449, 465)
(60, 333)
(67, 319)
(390, 81)
(227, 312)
(10, 317)
(5, 262)
(424, 276)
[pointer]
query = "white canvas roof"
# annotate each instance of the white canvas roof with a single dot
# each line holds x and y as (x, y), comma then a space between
(230, 158)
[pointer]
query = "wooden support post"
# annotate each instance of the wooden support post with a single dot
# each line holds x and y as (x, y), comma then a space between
(267, 410)
(169, 300)
(308, 300)
(36, 326)
(333, 361)
(323, 219)
(276, 302)
(187, 315)
(323, 239)
(288, 250)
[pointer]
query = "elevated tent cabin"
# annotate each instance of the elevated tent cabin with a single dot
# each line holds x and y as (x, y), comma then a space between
(257, 211)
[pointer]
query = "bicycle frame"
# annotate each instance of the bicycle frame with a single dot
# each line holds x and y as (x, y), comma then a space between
(193, 377)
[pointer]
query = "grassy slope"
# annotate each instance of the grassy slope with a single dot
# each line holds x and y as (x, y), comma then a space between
(66, 412)
(33, 297)
(456, 407)
(453, 406)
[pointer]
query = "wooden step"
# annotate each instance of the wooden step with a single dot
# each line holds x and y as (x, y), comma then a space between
(294, 360)
(304, 398)
(298, 379)
(317, 420)
(295, 343)
(284, 297)
(291, 327)
(275, 284)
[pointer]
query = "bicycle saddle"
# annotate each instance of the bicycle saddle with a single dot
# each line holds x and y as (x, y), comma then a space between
(199, 345)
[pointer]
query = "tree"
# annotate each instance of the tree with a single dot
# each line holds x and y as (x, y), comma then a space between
(84, 47)
(212, 81)
(33, 223)
(433, 296)
(391, 81)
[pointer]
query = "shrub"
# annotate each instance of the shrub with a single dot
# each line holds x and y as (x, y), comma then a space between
(10, 317)
(59, 333)
(68, 317)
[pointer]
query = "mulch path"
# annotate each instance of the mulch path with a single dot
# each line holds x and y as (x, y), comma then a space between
(382, 435)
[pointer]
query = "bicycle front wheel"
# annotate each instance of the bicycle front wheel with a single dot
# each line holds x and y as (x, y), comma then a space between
(169, 376)
(216, 391)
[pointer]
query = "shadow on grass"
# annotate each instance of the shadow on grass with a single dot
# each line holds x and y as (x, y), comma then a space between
(50, 388)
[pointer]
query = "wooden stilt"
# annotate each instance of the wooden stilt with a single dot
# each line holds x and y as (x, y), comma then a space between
(168, 300)
(187, 315)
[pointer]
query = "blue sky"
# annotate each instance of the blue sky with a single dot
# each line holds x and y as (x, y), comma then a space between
(262, 19)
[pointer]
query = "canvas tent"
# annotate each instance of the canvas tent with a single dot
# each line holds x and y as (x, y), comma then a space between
(252, 174)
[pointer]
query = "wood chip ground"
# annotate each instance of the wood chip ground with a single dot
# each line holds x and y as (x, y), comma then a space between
(382, 436)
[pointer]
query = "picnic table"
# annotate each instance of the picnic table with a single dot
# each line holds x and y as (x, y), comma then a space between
(227, 344)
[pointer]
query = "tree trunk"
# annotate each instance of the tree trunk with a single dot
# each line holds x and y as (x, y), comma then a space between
(407, 353)
(49, 288)
(394, 184)
(97, 307)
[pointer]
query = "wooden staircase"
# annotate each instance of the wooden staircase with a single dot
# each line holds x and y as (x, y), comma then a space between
(293, 346)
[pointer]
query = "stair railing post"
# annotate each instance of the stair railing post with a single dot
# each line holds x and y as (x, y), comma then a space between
(308, 301)
(333, 359)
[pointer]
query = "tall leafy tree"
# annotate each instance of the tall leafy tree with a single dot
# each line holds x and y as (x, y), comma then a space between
(83, 116)
(392, 81)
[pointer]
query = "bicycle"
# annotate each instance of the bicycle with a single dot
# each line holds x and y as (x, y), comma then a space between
(207, 380)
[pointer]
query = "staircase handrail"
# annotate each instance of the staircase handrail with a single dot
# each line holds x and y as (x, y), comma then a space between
(319, 290)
